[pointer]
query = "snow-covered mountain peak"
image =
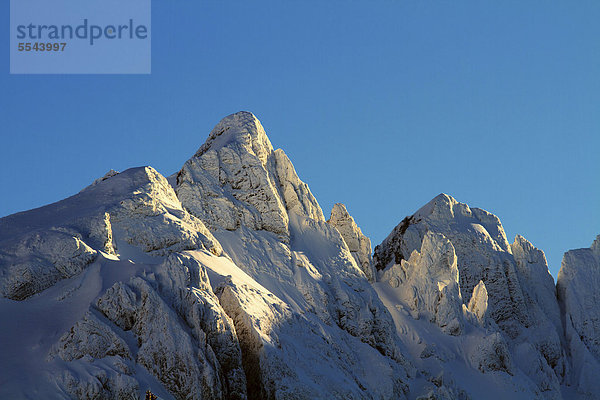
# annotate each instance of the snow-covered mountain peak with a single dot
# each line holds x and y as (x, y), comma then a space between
(519, 290)
(236, 179)
(442, 205)
(448, 216)
(240, 129)
(445, 209)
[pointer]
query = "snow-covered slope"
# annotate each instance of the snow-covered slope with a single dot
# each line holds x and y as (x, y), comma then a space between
(226, 282)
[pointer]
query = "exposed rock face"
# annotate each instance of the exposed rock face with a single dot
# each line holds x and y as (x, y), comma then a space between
(358, 244)
(577, 284)
(519, 289)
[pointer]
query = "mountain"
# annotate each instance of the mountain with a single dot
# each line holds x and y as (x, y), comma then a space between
(476, 260)
(225, 281)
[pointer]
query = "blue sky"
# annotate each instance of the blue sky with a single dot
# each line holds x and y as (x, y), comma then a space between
(381, 105)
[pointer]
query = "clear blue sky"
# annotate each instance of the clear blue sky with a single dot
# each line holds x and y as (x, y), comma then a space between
(380, 105)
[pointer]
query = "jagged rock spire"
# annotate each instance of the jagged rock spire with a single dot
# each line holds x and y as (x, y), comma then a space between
(359, 244)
